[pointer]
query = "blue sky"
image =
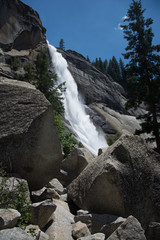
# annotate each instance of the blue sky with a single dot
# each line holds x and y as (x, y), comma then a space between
(91, 27)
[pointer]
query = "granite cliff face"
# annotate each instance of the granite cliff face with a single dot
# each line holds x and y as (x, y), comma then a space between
(105, 97)
(22, 36)
(94, 86)
(20, 26)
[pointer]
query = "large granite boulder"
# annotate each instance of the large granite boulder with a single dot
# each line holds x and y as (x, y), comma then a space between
(29, 141)
(123, 181)
(20, 26)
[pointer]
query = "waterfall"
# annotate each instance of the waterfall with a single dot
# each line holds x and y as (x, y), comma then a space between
(74, 108)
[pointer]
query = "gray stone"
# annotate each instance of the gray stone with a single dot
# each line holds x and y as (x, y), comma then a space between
(80, 230)
(41, 212)
(56, 185)
(96, 236)
(15, 233)
(43, 194)
(61, 222)
(8, 218)
(29, 140)
(120, 178)
(75, 162)
(129, 230)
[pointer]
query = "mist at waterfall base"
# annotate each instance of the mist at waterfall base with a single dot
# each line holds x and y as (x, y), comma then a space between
(74, 108)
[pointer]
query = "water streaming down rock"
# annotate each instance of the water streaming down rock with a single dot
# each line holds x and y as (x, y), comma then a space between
(74, 108)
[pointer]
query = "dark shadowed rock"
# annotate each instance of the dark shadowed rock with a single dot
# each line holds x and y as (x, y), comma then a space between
(153, 231)
(103, 223)
(20, 26)
(29, 141)
(41, 212)
(123, 181)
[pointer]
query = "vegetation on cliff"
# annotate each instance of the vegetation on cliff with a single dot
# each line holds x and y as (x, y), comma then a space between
(46, 81)
(112, 67)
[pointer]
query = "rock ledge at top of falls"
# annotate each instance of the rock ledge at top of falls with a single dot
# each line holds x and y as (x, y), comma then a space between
(20, 26)
(94, 85)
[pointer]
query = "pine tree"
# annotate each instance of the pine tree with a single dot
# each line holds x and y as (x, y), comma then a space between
(105, 63)
(61, 44)
(123, 81)
(88, 59)
(114, 70)
(143, 69)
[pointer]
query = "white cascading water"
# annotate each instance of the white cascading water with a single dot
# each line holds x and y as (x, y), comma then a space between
(74, 109)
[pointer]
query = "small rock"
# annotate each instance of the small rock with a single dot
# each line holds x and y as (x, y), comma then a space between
(64, 197)
(80, 230)
(43, 194)
(41, 212)
(36, 195)
(50, 193)
(8, 218)
(96, 236)
(15, 234)
(56, 185)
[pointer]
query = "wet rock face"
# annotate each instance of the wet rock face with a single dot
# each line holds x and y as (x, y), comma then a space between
(20, 26)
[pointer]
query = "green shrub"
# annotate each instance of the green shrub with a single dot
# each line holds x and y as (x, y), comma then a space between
(67, 139)
(111, 140)
(15, 64)
(16, 199)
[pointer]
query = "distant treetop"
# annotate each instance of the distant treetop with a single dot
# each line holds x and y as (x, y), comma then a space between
(61, 44)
